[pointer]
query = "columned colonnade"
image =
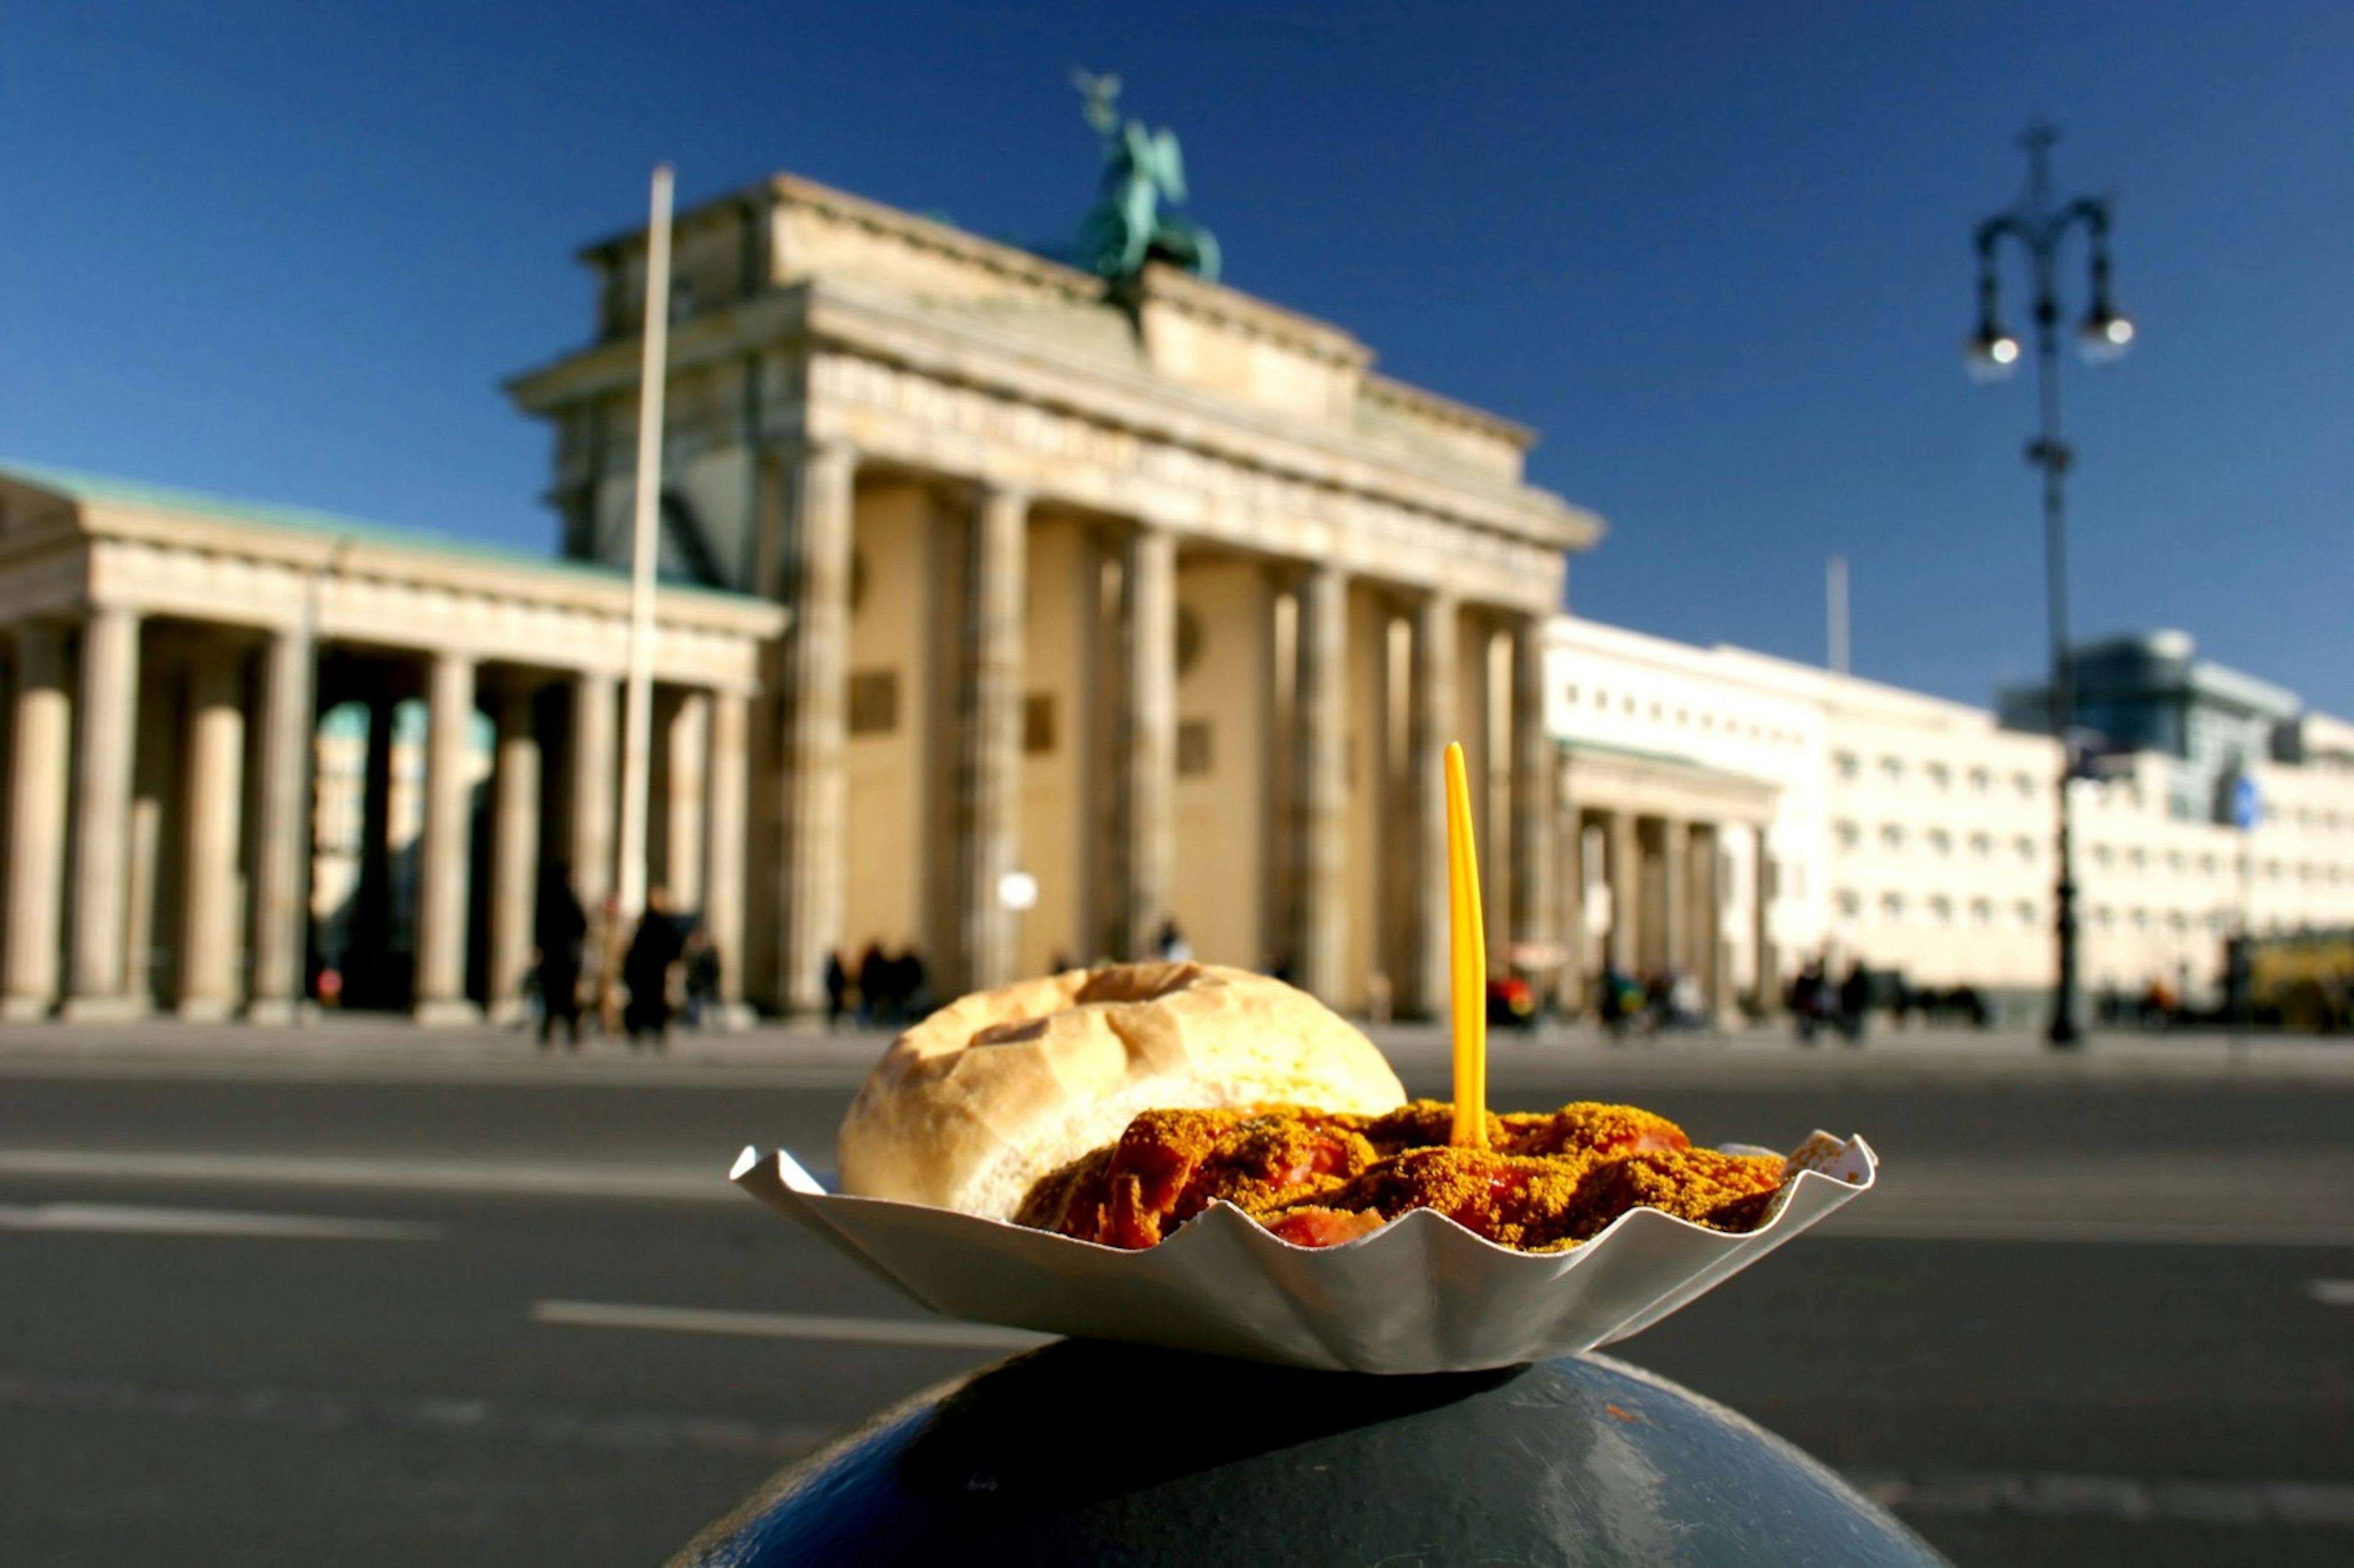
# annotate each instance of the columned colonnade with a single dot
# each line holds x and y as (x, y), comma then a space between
(168, 660)
(1663, 859)
(1323, 619)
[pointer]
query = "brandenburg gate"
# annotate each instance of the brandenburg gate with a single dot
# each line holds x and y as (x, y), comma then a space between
(1148, 590)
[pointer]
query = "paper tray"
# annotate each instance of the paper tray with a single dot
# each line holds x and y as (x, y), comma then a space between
(1420, 1294)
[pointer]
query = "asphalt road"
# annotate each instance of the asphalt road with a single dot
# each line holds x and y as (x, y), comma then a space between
(269, 1314)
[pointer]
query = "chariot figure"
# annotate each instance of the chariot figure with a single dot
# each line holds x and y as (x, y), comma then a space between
(1144, 176)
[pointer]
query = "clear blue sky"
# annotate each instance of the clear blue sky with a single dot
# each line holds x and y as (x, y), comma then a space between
(1718, 254)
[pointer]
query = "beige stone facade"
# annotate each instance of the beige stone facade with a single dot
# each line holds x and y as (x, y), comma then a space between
(1157, 594)
(172, 801)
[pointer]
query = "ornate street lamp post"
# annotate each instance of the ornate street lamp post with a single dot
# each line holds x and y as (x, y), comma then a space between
(2040, 225)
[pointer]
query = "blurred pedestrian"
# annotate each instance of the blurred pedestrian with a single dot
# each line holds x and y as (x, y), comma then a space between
(559, 927)
(701, 967)
(601, 964)
(873, 984)
(837, 990)
(1854, 999)
(645, 969)
(1808, 989)
(1172, 943)
(911, 987)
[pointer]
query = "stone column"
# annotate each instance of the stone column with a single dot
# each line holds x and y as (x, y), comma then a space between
(1623, 870)
(1432, 721)
(1706, 949)
(1569, 893)
(1536, 789)
(1767, 962)
(441, 851)
(514, 851)
(39, 770)
(724, 843)
(817, 680)
(594, 695)
(1675, 895)
(215, 799)
(1322, 836)
(1149, 711)
(990, 812)
(687, 745)
(109, 716)
(282, 830)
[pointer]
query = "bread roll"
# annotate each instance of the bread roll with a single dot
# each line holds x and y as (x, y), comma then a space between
(978, 1101)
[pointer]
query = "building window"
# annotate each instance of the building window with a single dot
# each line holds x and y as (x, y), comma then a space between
(1940, 842)
(1981, 912)
(1851, 903)
(1892, 769)
(2174, 861)
(2024, 911)
(1572, 693)
(2102, 856)
(2140, 918)
(2137, 858)
(1980, 780)
(873, 701)
(1981, 846)
(2104, 916)
(2206, 865)
(1845, 762)
(1849, 835)
(1892, 909)
(1038, 724)
(1194, 748)
(1941, 910)
(2025, 847)
(1940, 776)
(1892, 837)
(2024, 784)
(2178, 922)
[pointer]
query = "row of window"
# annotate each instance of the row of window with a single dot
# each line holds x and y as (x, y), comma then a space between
(1893, 838)
(1898, 910)
(1893, 770)
(1706, 720)
(2127, 793)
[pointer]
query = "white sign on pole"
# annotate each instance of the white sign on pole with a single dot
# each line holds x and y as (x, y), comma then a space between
(1017, 891)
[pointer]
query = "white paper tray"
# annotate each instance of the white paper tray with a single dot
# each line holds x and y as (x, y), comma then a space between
(1420, 1294)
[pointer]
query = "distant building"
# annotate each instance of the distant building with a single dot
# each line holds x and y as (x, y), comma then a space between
(2152, 694)
(1915, 834)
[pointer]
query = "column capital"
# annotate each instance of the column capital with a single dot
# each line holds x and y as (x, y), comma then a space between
(996, 493)
(821, 452)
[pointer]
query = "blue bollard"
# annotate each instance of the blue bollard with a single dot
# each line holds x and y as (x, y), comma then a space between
(1085, 1452)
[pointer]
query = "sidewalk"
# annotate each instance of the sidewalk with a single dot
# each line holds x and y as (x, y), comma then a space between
(361, 1043)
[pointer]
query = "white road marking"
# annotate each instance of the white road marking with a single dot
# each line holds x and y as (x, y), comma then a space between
(126, 1220)
(2324, 1505)
(2331, 1292)
(1858, 1223)
(785, 1326)
(691, 1185)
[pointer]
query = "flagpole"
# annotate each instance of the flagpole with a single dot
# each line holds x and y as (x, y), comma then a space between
(638, 715)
